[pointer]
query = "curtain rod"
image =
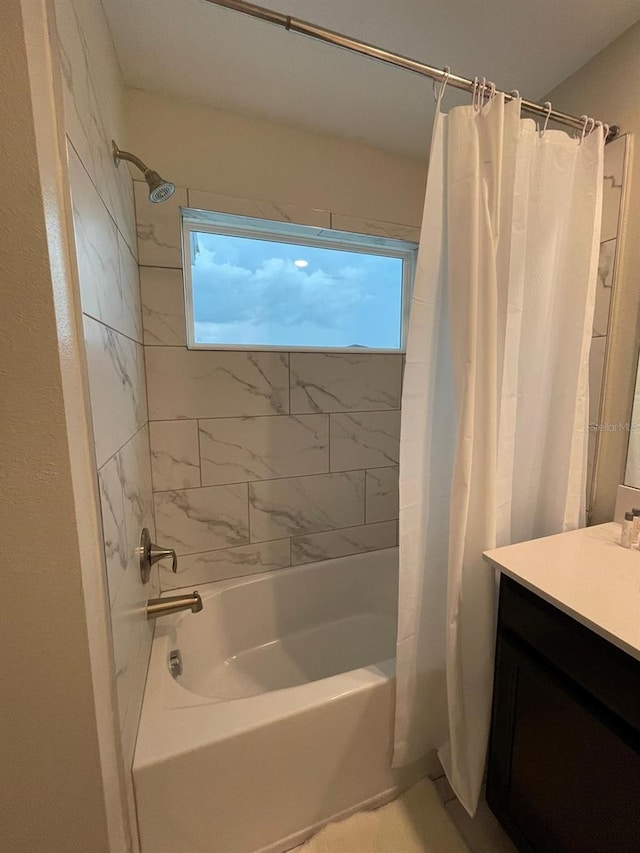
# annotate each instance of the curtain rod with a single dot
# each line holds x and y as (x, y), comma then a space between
(305, 28)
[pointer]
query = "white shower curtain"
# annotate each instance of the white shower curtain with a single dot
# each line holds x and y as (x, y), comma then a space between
(495, 404)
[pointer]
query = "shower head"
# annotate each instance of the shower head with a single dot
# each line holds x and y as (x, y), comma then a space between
(159, 189)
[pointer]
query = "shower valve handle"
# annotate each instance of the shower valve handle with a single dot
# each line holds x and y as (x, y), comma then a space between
(150, 554)
(158, 553)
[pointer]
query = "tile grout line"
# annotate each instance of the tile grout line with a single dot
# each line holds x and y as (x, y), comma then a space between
(113, 329)
(249, 511)
(234, 547)
(199, 451)
(122, 446)
(260, 202)
(292, 537)
(275, 479)
(104, 204)
(160, 267)
(364, 497)
(339, 473)
(257, 417)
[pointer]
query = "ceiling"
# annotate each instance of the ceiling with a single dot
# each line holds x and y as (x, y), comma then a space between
(193, 50)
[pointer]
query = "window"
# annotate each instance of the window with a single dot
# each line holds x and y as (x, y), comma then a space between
(256, 284)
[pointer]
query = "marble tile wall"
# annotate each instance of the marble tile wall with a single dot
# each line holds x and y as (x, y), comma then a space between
(632, 471)
(106, 250)
(261, 460)
(614, 164)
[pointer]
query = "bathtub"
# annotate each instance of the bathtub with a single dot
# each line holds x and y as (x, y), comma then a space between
(282, 717)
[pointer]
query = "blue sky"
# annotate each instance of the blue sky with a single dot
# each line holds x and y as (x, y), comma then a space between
(249, 291)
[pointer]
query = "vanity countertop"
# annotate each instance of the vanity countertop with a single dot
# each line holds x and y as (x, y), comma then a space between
(585, 573)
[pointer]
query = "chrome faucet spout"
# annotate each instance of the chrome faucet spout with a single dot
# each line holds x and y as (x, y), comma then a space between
(173, 604)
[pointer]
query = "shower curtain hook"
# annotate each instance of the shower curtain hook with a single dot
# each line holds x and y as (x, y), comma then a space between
(605, 130)
(474, 92)
(586, 125)
(476, 89)
(585, 119)
(492, 91)
(481, 92)
(586, 132)
(443, 85)
(547, 106)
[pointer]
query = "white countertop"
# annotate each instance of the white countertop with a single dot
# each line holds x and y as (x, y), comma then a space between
(585, 573)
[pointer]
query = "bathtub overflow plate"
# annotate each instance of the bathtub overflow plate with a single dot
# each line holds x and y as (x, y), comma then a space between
(175, 663)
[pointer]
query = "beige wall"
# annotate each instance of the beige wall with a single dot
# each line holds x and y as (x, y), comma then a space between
(223, 152)
(608, 88)
(52, 787)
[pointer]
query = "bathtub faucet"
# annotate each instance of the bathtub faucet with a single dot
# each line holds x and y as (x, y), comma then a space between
(173, 604)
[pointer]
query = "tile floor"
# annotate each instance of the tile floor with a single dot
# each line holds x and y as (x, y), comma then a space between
(482, 833)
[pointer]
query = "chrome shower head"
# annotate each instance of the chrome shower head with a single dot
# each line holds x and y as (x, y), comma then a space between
(159, 189)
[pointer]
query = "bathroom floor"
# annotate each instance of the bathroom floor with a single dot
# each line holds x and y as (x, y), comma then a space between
(426, 819)
(482, 833)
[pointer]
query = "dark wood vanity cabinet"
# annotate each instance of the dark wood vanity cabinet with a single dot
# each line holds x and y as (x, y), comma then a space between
(564, 752)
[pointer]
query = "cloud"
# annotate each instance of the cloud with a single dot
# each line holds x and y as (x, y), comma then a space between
(276, 292)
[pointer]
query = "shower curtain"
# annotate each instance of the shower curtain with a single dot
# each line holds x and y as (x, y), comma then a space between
(495, 404)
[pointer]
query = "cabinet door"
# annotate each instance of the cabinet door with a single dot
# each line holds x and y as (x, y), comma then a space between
(563, 778)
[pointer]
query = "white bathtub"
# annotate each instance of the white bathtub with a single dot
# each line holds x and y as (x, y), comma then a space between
(282, 719)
